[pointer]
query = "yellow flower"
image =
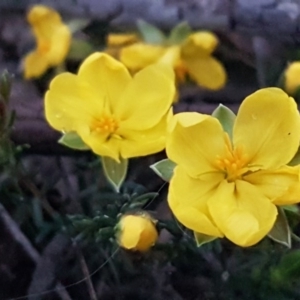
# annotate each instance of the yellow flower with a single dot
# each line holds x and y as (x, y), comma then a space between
(292, 77)
(53, 39)
(114, 114)
(137, 232)
(116, 41)
(231, 188)
(192, 57)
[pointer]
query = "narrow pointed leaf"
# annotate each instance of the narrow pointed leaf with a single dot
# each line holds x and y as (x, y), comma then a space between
(202, 239)
(164, 169)
(73, 140)
(150, 33)
(226, 117)
(281, 232)
(115, 172)
(179, 33)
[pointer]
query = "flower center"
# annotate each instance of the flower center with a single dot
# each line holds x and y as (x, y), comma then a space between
(105, 124)
(180, 71)
(234, 162)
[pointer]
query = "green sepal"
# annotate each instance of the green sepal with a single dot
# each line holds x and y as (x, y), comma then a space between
(80, 49)
(281, 232)
(73, 140)
(77, 24)
(115, 172)
(179, 33)
(296, 159)
(164, 169)
(202, 239)
(150, 34)
(226, 117)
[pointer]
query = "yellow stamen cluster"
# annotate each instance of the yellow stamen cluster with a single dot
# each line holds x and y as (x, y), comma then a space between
(234, 162)
(106, 124)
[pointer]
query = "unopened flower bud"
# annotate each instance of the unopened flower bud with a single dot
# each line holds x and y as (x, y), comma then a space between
(137, 232)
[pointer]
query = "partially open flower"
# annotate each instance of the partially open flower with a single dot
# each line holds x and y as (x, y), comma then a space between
(292, 77)
(53, 39)
(137, 232)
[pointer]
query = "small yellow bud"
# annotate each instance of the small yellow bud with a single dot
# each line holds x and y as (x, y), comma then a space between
(137, 232)
(292, 77)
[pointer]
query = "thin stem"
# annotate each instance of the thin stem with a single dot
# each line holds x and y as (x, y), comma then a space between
(86, 273)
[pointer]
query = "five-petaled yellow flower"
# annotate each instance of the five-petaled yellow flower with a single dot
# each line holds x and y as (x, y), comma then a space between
(136, 232)
(114, 114)
(193, 57)
(223, 187)
(53, 39)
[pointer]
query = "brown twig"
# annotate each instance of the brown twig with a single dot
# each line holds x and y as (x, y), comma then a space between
(22, 240)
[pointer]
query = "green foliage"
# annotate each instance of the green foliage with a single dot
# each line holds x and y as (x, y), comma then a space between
(179, 34)
(202, 239)
(226, 118)
(281, 232)
(73, 141)
(150, 34)
(115, 172)
(164, 169)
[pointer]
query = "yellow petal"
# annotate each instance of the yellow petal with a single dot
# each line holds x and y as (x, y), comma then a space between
(121, 39)
(241, 212)
(292, 77)
(60, 45)
(281, 186)
(35, 65)
(171, 56)
(100, 143)
(52, 35)
(201, 43)
(106, 77)
(68, 103)
(188, 197)
(140, 55)
(140, 143)
(195, 142)
(267, 126)
(206, 71)
(147, 98)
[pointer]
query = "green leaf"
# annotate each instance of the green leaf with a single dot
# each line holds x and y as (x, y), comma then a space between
(226, 117)
(281, 232)
(115, 172)
(80, 49)
(73, 140)
(78, 24)
(150, 33)
(164, 169)
(179, 33)
(202, 239)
